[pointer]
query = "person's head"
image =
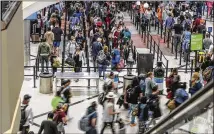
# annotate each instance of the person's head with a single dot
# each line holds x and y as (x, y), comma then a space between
(111, 75)
(43, 40)
(207, 35)
(178, 21)
(188, 28)
(50, 116)
(174, 71)
(26, 99)
(143, 100)
(56, 24)
(78, 48)
(195, 76)
(99, 39)
(150, 75)
(170, 14)
(59, 106)
(56, 11)
(187, 17)
(110, 96)
(135, 82)
(58, 93)
(176, 78)
(118, 11)
(38, 16)
(197, 69)
(105, 49)
(49, 29)
(66, 82)
(72, 38)
(94, 104)
(80, 33)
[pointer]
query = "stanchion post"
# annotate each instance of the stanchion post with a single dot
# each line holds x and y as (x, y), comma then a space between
(164, 38)
(191, 68)
(196, 58)
(158, 52)
(161, 54)
(149, 25)
(161, 31)
(186, 64)
(172, 45)
(167, 67)
(34, 77)
(150, 47)
(180, 58)
(168, 39)
(154, 50)
(176, 51)
(158, 28)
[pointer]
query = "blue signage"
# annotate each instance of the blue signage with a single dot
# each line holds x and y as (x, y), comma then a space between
(210, 29)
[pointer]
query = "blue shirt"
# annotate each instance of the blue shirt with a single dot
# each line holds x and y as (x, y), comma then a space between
(169, 22)
(187, 35)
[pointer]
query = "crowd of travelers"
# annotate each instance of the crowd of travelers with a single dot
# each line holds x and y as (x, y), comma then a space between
(110, 44)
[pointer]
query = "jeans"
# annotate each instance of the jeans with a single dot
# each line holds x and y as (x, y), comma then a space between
(102, 69)
(133, 106)
(44, 60)
(177, 42)
(56, 43)
(106, 124)
(92, 131)
(95, 62)
(141, 127)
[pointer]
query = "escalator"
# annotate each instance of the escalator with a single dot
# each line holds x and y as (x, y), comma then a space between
(192, 117)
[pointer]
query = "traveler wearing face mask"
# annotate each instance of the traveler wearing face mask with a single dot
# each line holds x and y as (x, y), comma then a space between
(119, 17)
(71, 47)
(130, 58)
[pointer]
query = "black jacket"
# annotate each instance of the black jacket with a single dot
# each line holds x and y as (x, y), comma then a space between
(49, 127)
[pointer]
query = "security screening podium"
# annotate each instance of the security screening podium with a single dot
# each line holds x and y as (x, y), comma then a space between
(79, 75)
(144, 61)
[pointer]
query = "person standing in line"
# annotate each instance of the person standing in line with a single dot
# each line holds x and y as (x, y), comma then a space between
(57, 35)
(26, 115)
(48, 126)
(44, 52)
(79, 58)
(130, 57)
(207, 42)
(71, 47)
(149, 84)
(49, 36)
(39, 25)
(177, 36)
(108, 116)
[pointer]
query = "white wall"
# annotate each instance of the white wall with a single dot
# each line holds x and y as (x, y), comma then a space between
(34, 6)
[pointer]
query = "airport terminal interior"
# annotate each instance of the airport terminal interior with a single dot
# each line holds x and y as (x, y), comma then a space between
(102, 67)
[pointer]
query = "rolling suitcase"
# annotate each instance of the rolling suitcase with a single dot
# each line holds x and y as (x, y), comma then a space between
(35, 36)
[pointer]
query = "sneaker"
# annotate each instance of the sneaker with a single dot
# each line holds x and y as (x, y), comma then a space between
(132, 125)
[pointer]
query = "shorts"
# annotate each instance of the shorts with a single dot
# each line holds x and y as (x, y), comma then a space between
(56, 43)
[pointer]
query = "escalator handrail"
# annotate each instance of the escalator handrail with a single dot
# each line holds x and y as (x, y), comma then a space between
(201, 92)
(9, 14)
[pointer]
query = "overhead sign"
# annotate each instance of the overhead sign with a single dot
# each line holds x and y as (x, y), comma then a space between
(196, 42)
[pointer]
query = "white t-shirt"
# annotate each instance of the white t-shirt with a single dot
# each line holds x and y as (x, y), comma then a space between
(29, 115)
(106, 116)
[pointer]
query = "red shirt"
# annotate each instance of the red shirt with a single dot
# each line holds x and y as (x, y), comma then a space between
(61, 115)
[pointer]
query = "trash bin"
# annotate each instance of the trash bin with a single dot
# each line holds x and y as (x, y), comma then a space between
(46, 83)
(127, 80)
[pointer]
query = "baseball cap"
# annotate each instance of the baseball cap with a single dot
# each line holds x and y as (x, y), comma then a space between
(27, 97)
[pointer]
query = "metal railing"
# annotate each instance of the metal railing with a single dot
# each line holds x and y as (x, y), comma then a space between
(8, 10)
(190, 108)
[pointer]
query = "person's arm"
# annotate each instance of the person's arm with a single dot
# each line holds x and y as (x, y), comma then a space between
(31, 115)
(93, 122)
(41, 128)
(83, 56)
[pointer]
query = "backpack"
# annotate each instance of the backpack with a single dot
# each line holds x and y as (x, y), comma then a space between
(101, 98)
(56, 62)
(153, 104)
(208, 73)
(44, 49)
(130, 94)
(56, 117)
(23, 115)
(101, 57)
(84, 123)
(143, 85)
(70, 61)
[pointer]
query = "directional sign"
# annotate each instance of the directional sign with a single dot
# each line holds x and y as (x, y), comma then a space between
(196, 42)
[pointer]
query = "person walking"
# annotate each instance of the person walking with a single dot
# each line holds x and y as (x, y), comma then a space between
(93, 118)
(26, 115)
(177, 36)
(48, 126)
(108, 115)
